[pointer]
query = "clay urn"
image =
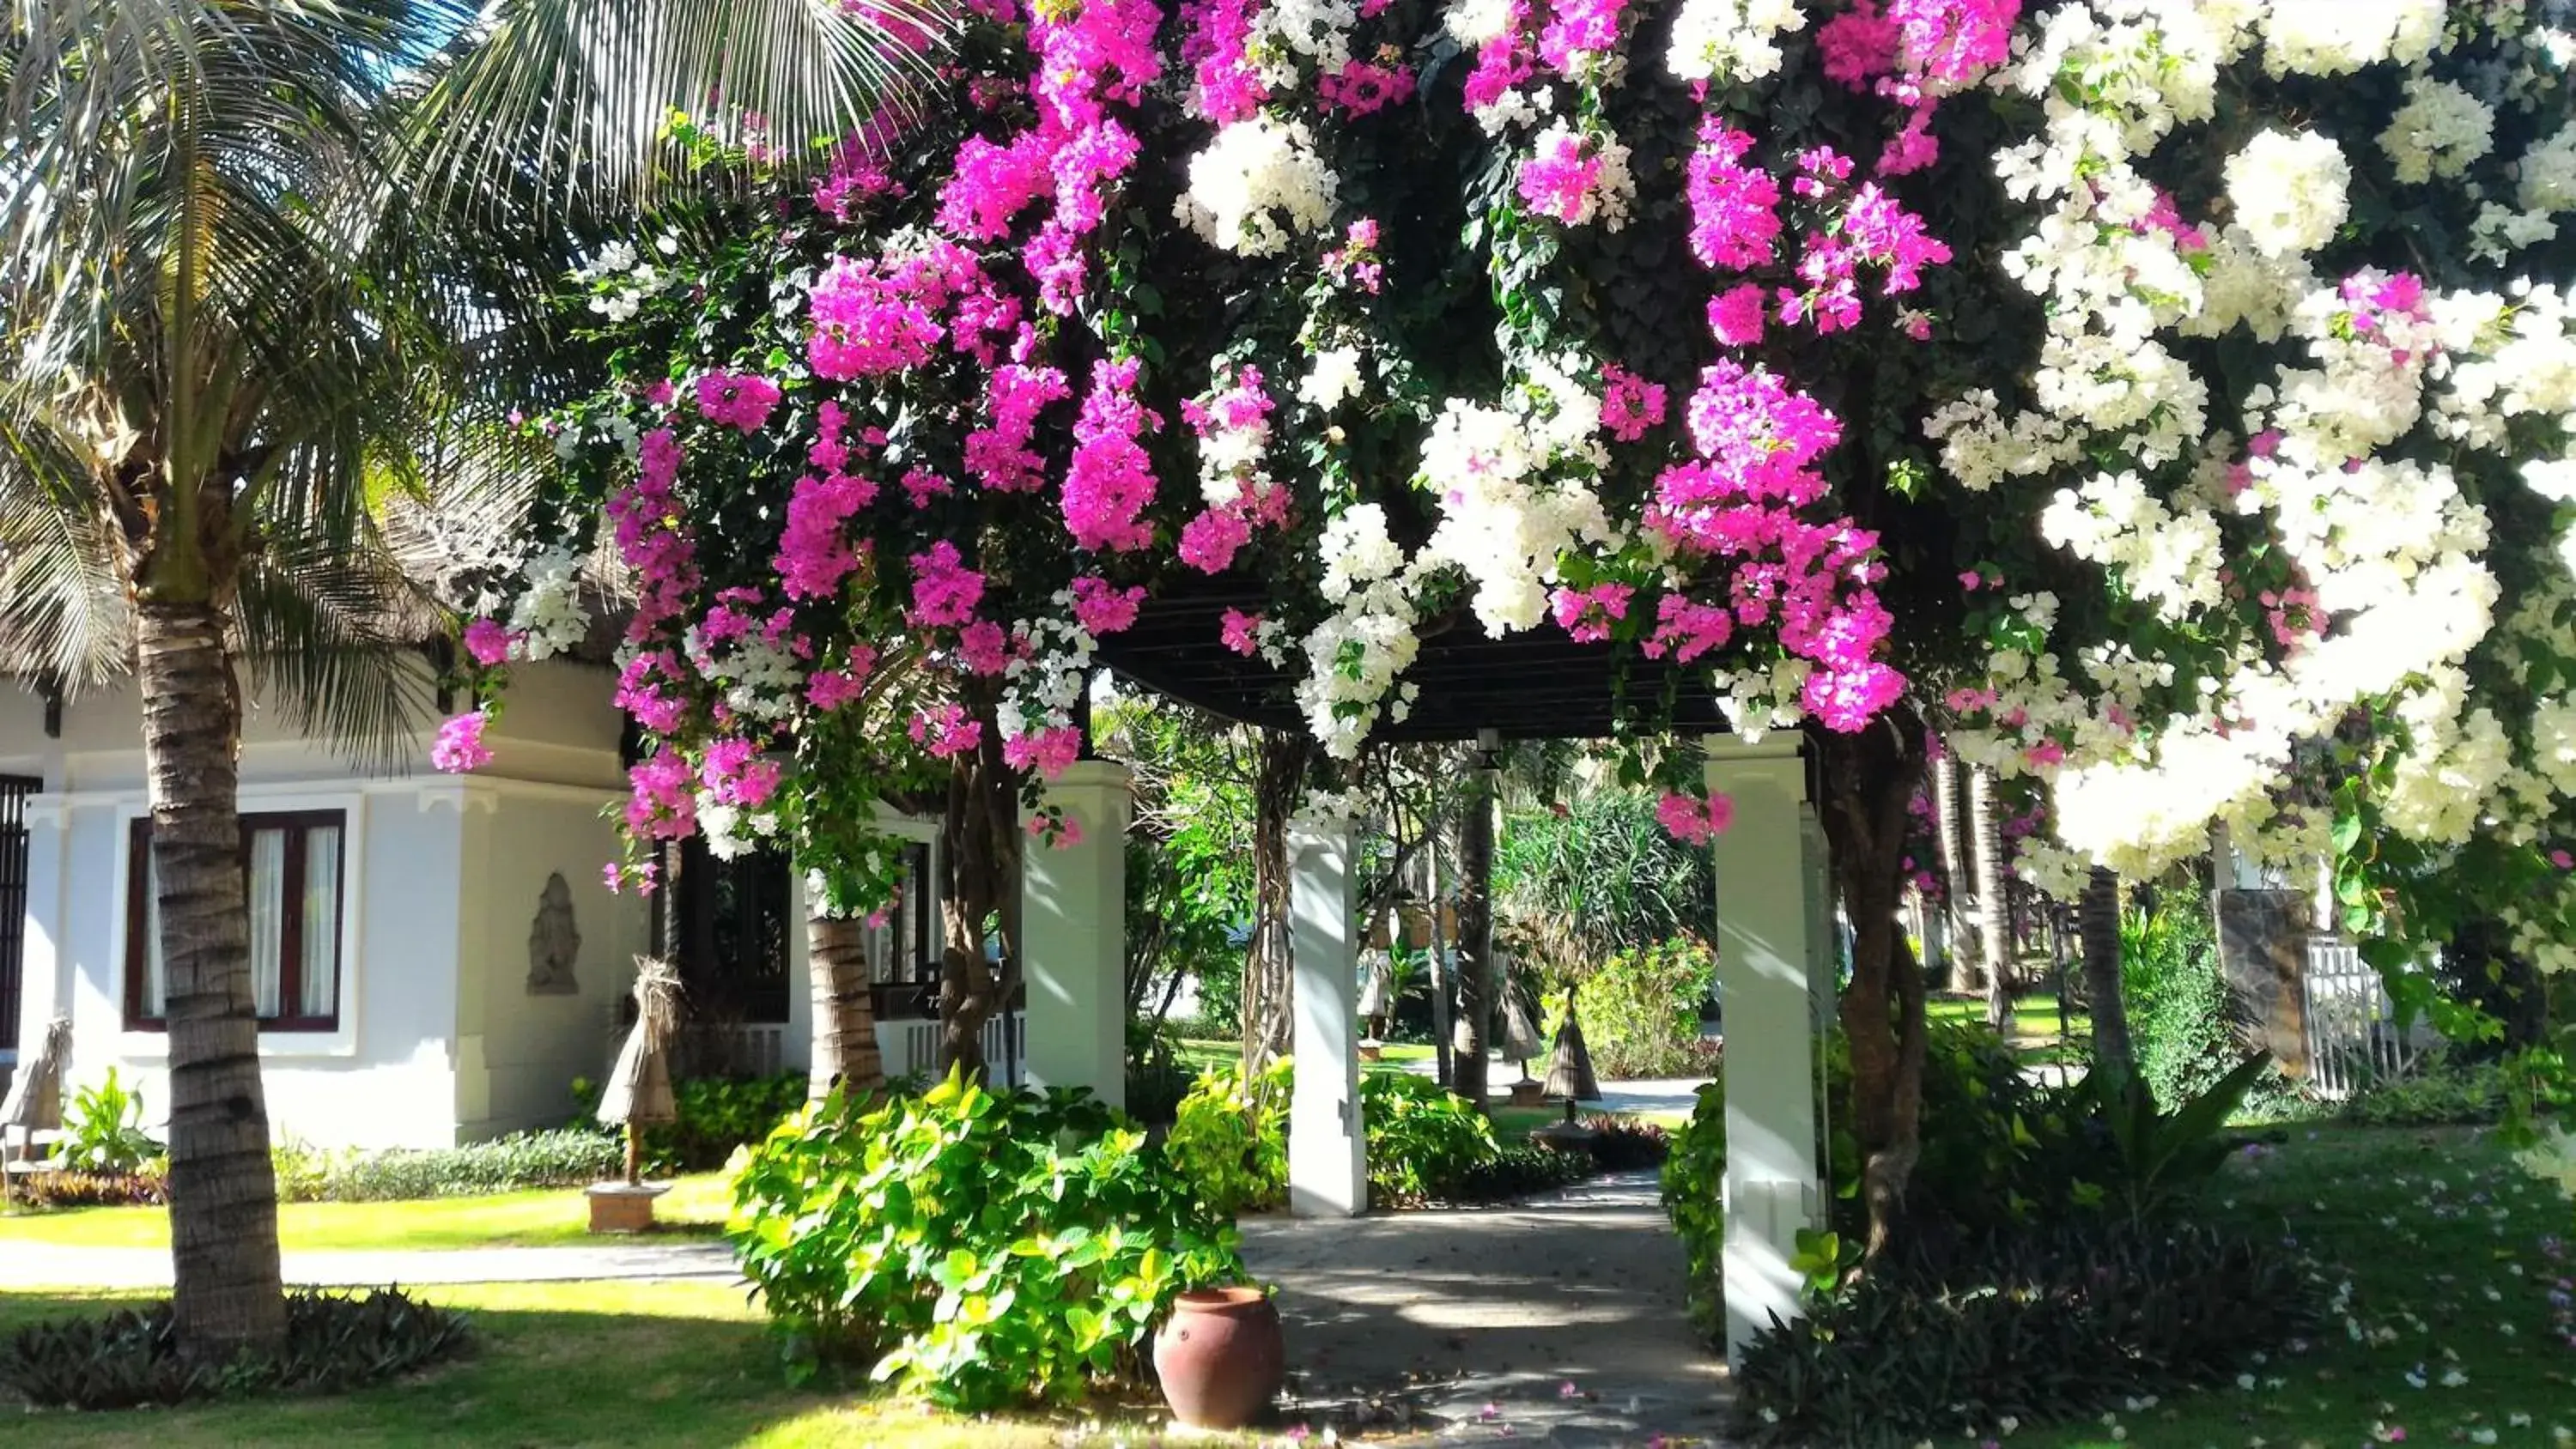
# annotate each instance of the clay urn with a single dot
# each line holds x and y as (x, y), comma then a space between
(1221, 1356)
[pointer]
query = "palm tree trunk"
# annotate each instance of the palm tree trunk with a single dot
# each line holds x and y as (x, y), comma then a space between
(1994, 913)
(223, 1191)
(1476, 985)
(2099, 926)
(845, 1023)
(981, 862)
(1954, 876)
(1279, 776)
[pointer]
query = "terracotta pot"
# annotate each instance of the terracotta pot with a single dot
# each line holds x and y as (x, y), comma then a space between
(1220, 1356)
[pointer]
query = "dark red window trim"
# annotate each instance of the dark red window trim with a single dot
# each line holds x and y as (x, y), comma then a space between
(297, 824)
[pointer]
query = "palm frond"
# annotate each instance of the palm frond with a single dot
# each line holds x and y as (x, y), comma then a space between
(576, 94)
(63, 615)
(329, 634)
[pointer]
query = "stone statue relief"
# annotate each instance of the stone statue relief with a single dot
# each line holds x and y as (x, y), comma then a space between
(554, 943)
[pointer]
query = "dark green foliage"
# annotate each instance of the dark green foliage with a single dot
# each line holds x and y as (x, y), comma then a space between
(1156, 1080)
(1694, 1180)
(1603, 877)
(2444, 1090)
(130, 1358)
(1625, 1144)
(566, 1157)
(2182, 1024)
(92, 1189)
(976, 1249)
(103, 1132)
(1422, 1140)
(2033, 1325)
(717, 1115)
(1514, 1172)
(1641, 1010)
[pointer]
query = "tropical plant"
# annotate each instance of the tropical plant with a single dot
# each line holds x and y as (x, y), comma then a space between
(1423, 1140)
(1694, 1183)
(103, 1132)
(1230, 1137)
(1641, 1010)
(233, 337)
(1598, 878)
(976, 1249)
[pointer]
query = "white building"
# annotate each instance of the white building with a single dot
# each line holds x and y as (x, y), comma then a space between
(421, 979)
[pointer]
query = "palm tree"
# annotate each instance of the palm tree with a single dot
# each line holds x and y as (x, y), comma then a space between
(230, 312)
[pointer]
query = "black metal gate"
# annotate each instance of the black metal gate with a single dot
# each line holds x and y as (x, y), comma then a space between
(14, 790)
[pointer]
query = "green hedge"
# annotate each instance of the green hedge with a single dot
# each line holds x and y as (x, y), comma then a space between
(564, 1157)
(717, 1115)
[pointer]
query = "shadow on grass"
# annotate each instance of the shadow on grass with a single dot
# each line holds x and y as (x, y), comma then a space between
(607, 1364)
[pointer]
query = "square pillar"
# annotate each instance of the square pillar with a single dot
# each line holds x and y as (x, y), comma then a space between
(1073, 937)
(1327, 1151)
(1769, 943)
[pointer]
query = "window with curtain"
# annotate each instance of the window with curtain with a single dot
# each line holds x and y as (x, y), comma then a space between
(291, 869)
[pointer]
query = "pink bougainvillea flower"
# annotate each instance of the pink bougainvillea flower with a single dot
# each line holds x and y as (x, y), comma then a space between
(739, 400)
(460, 746)
(488, 642)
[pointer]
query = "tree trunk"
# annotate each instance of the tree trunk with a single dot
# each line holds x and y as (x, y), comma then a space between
(2099, 928)
(1955, 883)
(1278, 779)
(980, 872)
(223, 1190)
(1868, 778)
(1476, 986)
(1994, 913)
(1444, 1064)
(845, 1022)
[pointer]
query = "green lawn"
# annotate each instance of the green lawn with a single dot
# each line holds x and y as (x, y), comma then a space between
(2452, 1252)
(695, 1204)
(614, 1365)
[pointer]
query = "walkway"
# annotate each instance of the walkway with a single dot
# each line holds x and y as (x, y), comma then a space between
(1559, 1320)
(41, 1265)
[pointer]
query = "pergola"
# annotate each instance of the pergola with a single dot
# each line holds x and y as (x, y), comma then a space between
(1774, 914)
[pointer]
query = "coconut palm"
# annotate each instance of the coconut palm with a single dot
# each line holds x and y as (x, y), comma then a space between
(231, 313)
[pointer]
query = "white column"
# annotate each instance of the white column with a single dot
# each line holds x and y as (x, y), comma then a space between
(43, 994)
(1767, 901)
(1327, 1153)
(1073, 934)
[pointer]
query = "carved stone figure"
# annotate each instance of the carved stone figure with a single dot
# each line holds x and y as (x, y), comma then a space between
(554, 943)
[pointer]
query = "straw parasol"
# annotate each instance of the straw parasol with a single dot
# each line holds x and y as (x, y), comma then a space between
(639, 1086)
(1570, 1075)
(35, 1101)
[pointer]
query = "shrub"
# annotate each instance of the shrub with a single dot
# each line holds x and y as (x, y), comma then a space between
(148, 1186)
(103, 1133)
(565, 1157)
(1641, 1010)
(717, 1115)
(1422, 1139)
(1230, 1139)
(1694, 1181)
(2032, 1326)
(1156, 1080)
(1625, 1144)
(976, 1249)
(1514, 1172)
(2445, 1090)
(131, 1357)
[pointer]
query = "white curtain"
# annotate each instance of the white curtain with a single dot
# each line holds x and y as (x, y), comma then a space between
(320, 987)
(267, 918)
(156, 983)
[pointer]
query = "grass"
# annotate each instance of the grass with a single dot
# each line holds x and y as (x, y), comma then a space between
(546, 1217)
(2032, 1030)
(2448, 1246)
(578, 1364)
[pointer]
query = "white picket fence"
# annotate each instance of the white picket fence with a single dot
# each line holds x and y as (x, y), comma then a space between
(2352, 1031)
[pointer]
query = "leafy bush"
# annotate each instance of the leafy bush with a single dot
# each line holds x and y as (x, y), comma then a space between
(1422, 1139)
(2031, 1326)
(2444, 1090)
(1514, 1172)
(131, 1357)
(103, 1132)
(1156, 1080)
(1641, 1010)
(1230, 1139)
(565, 1157)
(1694, 1181)
(1626, 1144)
(978, 1250)
(717, 1115)
(1604, 876)
(147, 1186)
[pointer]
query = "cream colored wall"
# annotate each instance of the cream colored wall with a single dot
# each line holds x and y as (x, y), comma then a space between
(429, 1050)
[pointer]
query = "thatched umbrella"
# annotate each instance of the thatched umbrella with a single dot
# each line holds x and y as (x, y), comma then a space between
(35, 1101)
(1570, 1075)
(639, 1086)
(1521, 1038)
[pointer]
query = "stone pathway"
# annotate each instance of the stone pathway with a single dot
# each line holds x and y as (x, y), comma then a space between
(26, 1266)
(1557, 1320)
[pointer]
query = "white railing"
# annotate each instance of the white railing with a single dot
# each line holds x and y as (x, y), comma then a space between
(912, 1046)
(751, 1049)
(2352, 1034)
